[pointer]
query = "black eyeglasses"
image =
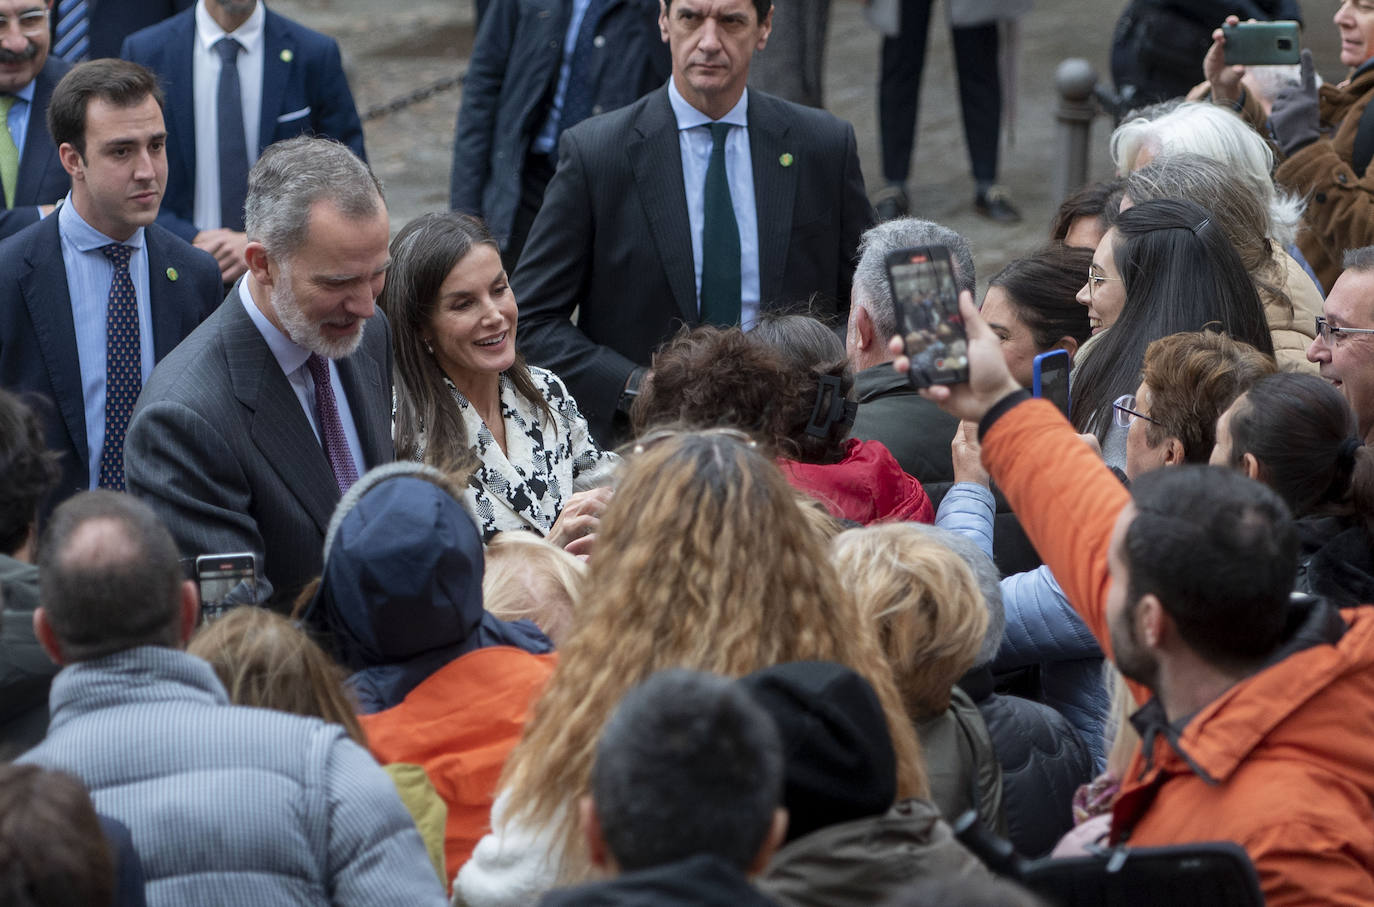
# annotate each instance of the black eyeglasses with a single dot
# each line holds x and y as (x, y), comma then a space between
(1124, 411)
(1327, 331)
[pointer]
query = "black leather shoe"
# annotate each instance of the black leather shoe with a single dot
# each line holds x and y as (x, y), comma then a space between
(891, 202)
(996, 205)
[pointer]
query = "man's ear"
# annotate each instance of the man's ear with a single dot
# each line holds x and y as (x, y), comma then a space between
(1250, 466)
(863, 329)
(47, 637)
(1173, 452)
(767, 24)
(255, 255)
(190, 611)
(663, 20)
(591, 830)
(72, 161)
(1153, 623)
(777, 833)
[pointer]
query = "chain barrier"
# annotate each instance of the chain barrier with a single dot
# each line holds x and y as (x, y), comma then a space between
(377, 111)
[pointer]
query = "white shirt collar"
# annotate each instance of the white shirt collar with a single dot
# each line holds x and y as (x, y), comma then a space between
(289, 354)
(249, 34)
(688, 116)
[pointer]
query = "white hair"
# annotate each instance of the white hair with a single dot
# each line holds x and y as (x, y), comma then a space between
(1215, 132)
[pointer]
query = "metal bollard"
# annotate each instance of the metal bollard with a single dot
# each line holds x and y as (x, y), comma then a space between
(1075, 80)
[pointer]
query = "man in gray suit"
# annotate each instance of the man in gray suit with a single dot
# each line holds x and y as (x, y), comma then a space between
(699, 203)
(248, 432)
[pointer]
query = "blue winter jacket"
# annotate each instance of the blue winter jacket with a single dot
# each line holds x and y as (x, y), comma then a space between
(231, 805)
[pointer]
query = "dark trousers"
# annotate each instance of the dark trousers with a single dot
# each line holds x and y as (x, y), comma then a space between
(534, 179)
(899, 92)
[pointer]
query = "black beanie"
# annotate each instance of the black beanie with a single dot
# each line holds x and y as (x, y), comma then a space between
(840, 764)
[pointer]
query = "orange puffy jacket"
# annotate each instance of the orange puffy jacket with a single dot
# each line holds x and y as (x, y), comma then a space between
(1289, 750)
(460, 724)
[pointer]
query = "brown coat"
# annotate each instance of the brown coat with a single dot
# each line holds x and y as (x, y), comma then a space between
(1340, 206)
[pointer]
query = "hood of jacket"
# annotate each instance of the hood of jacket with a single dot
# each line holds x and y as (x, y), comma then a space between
(700, 880)
(868, 860)
(1336, 561)
(867, 486)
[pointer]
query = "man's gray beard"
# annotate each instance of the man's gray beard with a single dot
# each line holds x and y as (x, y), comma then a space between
(302, 330)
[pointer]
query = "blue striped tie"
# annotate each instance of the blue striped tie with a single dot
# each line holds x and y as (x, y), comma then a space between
(72, 24)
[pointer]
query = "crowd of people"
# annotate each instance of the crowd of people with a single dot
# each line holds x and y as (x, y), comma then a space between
(590, 543)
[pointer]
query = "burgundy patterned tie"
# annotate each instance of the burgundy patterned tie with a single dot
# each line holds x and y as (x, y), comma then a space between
(123, 366)
(331, 429)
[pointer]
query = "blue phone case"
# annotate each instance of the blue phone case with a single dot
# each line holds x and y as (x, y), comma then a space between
(1052, 358)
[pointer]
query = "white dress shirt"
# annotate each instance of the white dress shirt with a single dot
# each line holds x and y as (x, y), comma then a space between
(291, 357)
(694, 140)
(89, 277)
(205, 66)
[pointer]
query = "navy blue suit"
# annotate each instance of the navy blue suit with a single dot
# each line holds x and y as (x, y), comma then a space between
(304, 90)
(42, 181)
(111, 21)
(38, 337)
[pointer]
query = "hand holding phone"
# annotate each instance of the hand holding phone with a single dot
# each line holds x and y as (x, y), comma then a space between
(926, 302)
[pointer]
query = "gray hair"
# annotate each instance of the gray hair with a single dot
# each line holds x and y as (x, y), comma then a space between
(1239, 212)
(294, 174)
(870, 275)
(1220, 134)
(989, 580)
(1361, 259)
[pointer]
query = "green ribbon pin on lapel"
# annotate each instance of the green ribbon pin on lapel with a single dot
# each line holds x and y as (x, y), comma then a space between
(786, 159)
(172, 274)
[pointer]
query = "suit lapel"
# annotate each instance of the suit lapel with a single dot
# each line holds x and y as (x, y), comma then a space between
(44, 287)
(165, 303)
(656, 159)
(775, 189)
(279, 54)
(279, 427)
(180, 88)
(36, 155)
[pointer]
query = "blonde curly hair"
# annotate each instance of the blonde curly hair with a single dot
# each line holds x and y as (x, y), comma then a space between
(703, 561)
(925, 603)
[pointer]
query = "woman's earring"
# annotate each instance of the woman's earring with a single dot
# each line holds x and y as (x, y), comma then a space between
(429, 349)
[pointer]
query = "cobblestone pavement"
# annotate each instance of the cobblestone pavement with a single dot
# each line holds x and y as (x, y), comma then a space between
(393, 48)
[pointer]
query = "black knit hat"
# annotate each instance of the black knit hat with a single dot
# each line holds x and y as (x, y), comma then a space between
(840, 764)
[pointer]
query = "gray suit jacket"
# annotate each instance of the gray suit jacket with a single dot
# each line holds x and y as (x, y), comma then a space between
(219, 446)
(613, 237)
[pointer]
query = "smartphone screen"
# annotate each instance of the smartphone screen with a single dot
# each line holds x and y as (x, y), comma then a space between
(1051, 378)
(225, 580)
(926, 301)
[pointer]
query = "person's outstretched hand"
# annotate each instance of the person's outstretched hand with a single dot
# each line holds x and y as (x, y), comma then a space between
(989, 378)
(1225, 80)
(1295, 117)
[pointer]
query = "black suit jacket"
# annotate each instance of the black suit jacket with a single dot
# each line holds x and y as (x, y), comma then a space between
(221, 449)
(613, 238)
(42, 181)
(38, 337)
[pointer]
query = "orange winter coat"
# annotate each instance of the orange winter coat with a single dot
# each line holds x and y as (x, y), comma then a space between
(460, 724)
(1289, 750)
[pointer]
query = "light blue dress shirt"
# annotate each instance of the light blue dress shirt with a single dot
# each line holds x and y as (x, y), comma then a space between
(694, 139)
(546, 142)
(89, 276)
(291, 358)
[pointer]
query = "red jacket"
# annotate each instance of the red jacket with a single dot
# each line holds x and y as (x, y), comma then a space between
(867, 486)
(1290, 749)
(460, 725)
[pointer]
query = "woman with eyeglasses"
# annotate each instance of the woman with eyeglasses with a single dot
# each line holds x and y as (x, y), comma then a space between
(1166, 266)
(463, 393)
(1297, 434)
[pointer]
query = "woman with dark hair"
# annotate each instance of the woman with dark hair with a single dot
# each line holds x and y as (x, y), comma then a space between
(1296, 434)
(1165, 267)
(464, 393)
(1030, 305)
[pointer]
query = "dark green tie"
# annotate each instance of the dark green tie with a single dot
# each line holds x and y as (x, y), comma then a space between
(719, 240)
